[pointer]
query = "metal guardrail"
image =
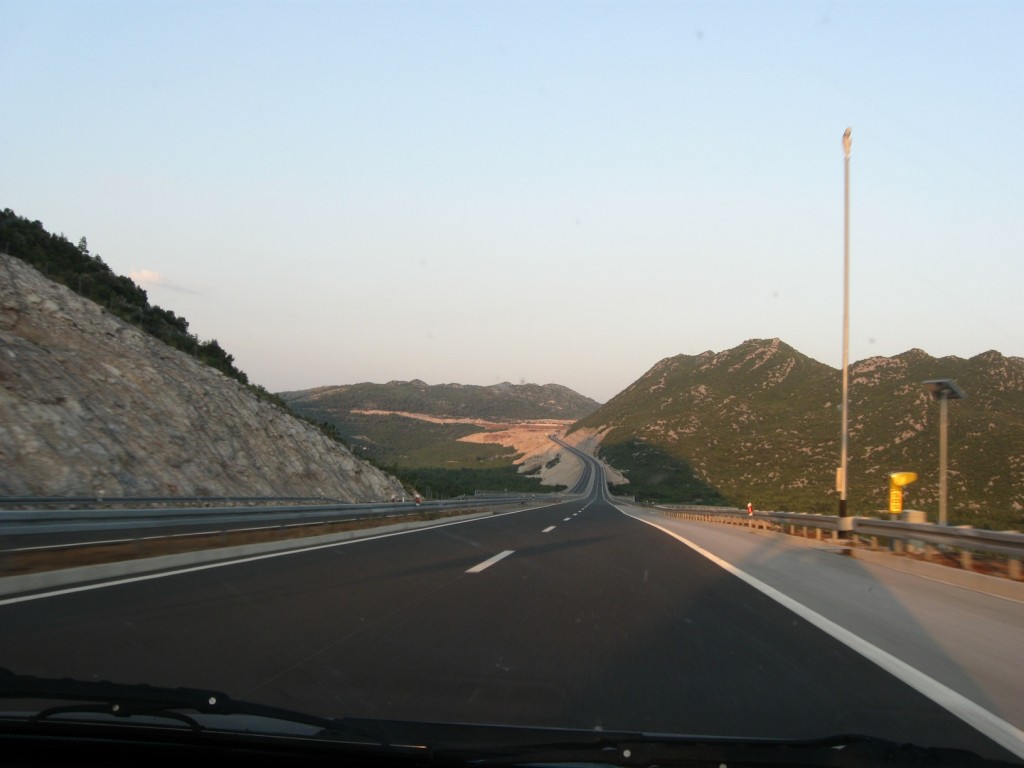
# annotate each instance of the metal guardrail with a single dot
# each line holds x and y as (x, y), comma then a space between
(15, 522)
(113, 501)
(518, 495)
(924, 539)
(965, 537)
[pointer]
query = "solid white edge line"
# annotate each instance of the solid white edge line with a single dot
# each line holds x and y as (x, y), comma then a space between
(490, 561)
(180, 535)
(238, 561)
(67, 546)
(1000, 731)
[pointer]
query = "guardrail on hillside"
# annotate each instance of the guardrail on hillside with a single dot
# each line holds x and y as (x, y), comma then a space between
(927, 541)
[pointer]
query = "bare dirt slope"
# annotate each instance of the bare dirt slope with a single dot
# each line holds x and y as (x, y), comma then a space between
(532, 440)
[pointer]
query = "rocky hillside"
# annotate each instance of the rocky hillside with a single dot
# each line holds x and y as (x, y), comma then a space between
(761, 423)
(499, 402)
(92, 405)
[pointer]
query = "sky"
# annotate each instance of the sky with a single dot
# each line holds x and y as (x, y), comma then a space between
(545, 192)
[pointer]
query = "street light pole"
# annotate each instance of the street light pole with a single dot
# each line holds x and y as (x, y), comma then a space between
(943, 452)
(943, 390)
(844, 430)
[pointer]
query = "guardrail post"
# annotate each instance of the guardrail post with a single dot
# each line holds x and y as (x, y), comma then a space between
(966, 560)
(1013, 568)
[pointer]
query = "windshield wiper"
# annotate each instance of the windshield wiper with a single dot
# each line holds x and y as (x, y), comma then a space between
(134, 700)
(649, 751)
(458, 744)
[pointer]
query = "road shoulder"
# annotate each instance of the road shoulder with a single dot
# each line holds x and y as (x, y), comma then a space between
(966, 640)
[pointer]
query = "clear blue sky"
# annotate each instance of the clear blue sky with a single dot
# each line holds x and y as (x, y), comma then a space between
(530, 191)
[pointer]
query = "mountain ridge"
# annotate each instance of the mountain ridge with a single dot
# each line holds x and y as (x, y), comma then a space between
(760, 422)
(497, 402)
(455, 437)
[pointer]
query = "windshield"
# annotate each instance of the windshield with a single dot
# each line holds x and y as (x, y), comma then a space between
(549, 364)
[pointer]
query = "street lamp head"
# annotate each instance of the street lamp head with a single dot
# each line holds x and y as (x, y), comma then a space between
(847, 141)
(944, 388)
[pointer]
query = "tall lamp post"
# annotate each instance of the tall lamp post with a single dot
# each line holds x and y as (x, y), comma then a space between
(844, 431)
(943, 390)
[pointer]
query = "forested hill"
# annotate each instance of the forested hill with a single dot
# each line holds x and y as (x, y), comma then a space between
(761, 423)
(499, 402)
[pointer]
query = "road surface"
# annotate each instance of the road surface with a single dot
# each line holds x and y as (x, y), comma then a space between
(573, 615)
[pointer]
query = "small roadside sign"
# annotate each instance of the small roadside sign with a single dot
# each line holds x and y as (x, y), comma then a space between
(895, 500)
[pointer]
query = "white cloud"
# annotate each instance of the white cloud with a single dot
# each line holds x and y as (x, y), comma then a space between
(150, 278)
(147, 277)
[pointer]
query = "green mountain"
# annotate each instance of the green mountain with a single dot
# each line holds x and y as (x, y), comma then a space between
(499, 402)
(413, 429)
(761, 423)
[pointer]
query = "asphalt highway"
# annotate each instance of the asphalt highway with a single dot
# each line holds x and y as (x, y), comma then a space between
(570, 615)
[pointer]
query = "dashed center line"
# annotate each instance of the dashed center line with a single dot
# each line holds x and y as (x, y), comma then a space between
(548, 529)
(490, 561)
(566, 520)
